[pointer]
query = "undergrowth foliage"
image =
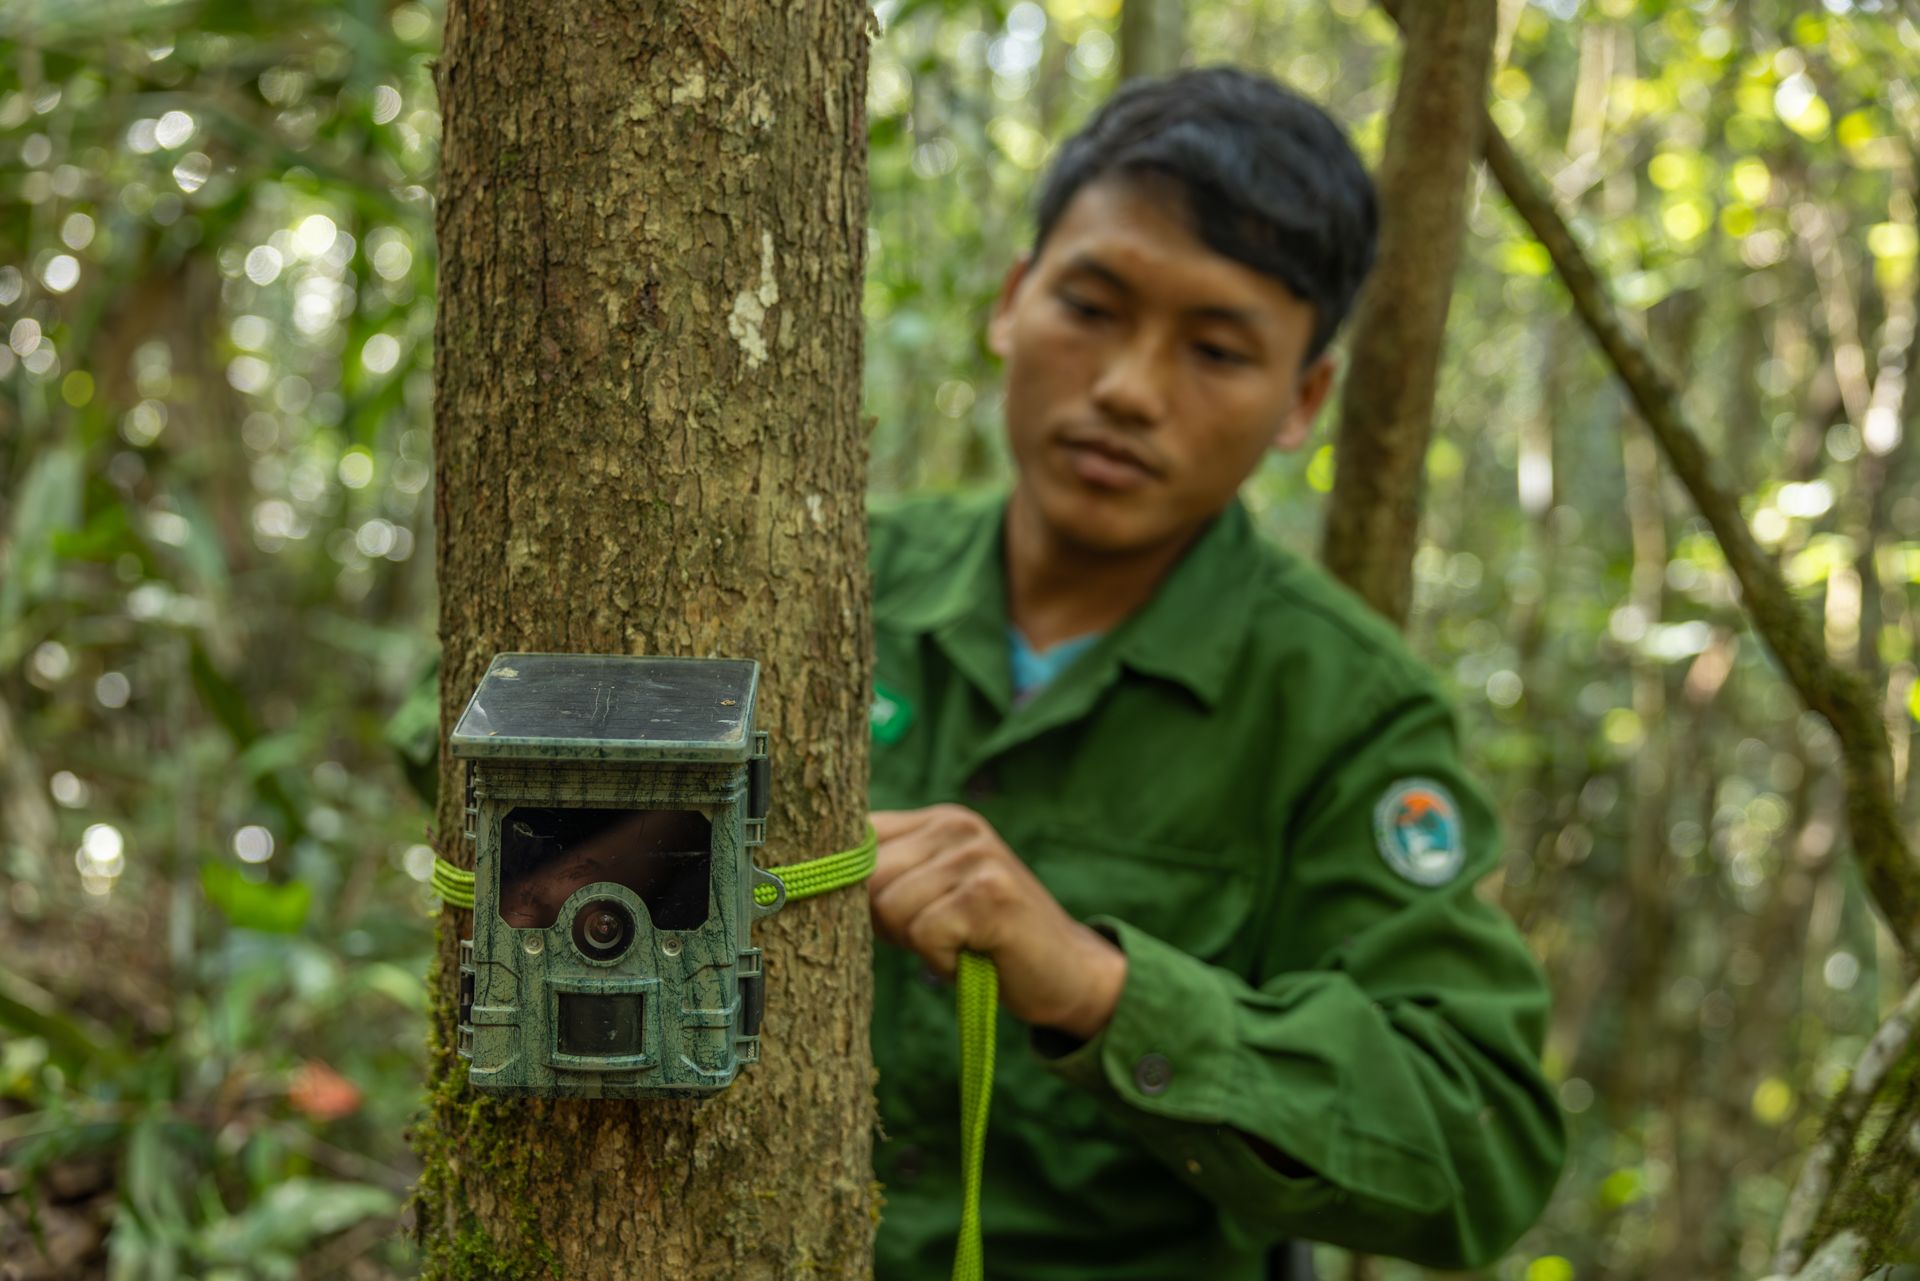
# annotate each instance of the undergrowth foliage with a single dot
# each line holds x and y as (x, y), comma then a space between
(216, 649)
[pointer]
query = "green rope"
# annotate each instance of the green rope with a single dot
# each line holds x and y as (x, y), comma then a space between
(976, 987)
(454, 884)
(803, 880)
(817, 876)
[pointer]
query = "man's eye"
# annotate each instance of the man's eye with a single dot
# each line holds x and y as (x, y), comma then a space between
(1220, 355)
(1081, 307)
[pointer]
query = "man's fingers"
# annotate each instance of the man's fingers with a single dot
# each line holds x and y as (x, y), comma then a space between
(891, 823)
(904, 895)
(902, 846)
(933, 879)
(940, 930)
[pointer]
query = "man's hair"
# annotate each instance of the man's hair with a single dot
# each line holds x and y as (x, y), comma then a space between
(1270, 180)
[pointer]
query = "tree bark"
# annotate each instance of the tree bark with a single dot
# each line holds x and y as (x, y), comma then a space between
(1399, 325)
(652, 230)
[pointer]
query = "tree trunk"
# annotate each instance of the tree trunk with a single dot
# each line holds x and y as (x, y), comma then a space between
(652, 230)
(1386, 408)
(1153, 36)
(1400, 321)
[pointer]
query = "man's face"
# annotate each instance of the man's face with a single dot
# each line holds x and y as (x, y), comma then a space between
(1146, 374)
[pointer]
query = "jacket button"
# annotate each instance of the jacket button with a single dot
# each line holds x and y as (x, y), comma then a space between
(1152, 1074)
(982, 786)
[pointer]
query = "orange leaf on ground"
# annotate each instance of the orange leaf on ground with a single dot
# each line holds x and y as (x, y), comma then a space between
(323, 1093)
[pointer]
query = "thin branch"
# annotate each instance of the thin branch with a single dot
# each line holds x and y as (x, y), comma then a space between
(1840, 696)
(1816, 1181)
(1840, 1259)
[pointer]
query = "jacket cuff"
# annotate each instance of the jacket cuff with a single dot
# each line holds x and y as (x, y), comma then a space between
(1172, 1030)
(1175, 1012)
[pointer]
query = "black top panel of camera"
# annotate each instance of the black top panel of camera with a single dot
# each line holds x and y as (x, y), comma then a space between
(610, 707)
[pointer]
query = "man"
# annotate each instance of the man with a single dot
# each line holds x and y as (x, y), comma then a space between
(1199, 806)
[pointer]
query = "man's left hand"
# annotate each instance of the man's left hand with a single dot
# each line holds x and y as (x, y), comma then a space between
(945, 883)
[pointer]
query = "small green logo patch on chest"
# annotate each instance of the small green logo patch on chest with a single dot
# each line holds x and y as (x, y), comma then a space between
(889, 715)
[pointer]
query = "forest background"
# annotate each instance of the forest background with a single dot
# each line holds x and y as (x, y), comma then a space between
(216, 307)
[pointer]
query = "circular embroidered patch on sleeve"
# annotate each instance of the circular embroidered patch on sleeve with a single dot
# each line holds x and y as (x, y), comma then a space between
(1417, 828)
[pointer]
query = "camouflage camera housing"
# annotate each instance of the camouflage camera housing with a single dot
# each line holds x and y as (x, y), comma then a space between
(613, 803)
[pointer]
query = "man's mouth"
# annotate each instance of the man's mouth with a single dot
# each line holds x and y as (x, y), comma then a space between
(1104, 463)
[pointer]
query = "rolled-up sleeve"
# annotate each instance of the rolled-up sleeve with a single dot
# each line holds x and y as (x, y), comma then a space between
(1387, 1060)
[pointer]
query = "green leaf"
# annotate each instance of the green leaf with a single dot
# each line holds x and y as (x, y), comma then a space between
(150, 1173)
(47, 503)
(413, 731)
(223, 699)
(294, 1214)
(203, 551)
(104, 537)
(403, 986)
(33, 1011)
(271, 753)
(272, 909)
(228, 705)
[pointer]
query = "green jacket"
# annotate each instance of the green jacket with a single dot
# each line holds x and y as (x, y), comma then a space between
(1256, 791)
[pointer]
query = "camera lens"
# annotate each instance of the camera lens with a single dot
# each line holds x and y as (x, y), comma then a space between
(603, 929)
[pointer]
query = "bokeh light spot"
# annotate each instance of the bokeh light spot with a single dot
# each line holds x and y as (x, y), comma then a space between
(51, 661)
(314, 236)
(380, 354)
(77, 231)
(1772, 1101)
(356, 469)
(173, 129)
(68, 789)
(113, 690)
(61, 273)
(253, 844)
(263, 264)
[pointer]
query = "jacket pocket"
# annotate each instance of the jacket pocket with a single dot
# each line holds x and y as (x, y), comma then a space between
(1196, 900)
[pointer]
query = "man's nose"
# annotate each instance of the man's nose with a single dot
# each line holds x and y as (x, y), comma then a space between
(1132, 388)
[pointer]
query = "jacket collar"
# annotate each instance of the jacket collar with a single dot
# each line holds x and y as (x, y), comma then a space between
(1194, 628)
(1190, 632)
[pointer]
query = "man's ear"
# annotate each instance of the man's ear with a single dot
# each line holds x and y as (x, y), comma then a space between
(1000, 324)
(1316, 380)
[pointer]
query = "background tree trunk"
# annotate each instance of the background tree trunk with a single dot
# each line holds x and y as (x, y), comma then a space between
(1386, 407)
(652, 233)
(1399, 323)
(1153, 37)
